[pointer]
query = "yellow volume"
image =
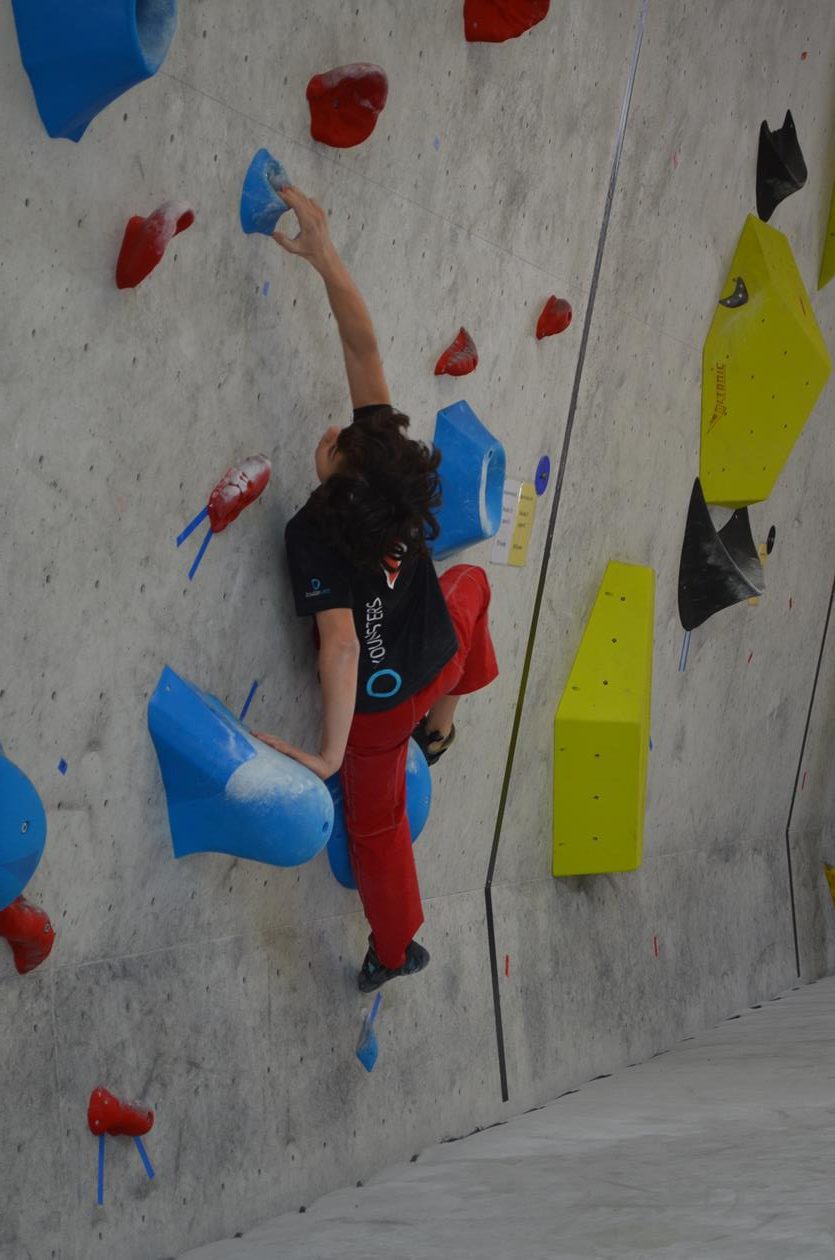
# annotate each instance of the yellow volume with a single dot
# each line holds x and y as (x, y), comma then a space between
(602, 731)
(763, 367)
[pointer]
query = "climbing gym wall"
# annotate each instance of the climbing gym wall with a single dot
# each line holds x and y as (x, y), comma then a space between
(561, 211)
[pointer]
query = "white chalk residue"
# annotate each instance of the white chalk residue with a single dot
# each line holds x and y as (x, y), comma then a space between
(268, 777)
(156, 22)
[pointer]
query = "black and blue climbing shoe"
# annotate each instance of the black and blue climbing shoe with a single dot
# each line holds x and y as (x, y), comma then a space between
(432, 744)
(373, 973)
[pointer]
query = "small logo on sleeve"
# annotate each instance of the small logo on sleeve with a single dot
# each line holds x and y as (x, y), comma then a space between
(316, 589)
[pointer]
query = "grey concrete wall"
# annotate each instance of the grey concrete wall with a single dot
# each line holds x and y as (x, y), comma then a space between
(223, 992)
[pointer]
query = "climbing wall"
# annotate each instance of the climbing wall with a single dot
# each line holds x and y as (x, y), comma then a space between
(606, 157)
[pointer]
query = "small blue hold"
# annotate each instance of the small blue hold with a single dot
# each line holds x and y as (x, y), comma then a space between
(368, 1047)
(543, 475)
(261, 204)
(62, 766)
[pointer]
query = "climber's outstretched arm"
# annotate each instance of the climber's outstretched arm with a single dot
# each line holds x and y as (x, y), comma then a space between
(339, 653)
(366, 379)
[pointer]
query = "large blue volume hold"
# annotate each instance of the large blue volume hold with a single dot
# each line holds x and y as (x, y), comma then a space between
(22, 831)
(261, 204)
(418, 804)
(227, 791)
(81, 54)
(472, 480)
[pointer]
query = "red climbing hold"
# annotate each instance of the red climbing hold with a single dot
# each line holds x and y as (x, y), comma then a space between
(555, 318)
(460, 358)
(108, 1114)
(29, 932)
(236, 489)
(144, 242)
(494, 21)
(345, 104)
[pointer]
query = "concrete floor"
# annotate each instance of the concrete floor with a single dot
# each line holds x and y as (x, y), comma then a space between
(722, 1149)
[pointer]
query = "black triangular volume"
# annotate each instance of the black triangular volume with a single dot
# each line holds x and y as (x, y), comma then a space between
(718, 568)
(781, 169)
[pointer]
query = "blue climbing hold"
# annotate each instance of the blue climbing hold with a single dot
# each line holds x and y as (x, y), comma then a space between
(261, 204)
(22, 831)
(418, 804)
(543, 475)
(81, 54)
(472, 480)
(227, 791)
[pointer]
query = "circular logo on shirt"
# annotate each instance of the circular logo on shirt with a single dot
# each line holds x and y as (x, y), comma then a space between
(384, 673)
(315, 584)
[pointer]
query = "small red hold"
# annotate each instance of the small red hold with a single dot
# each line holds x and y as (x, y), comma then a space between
(29, 932)
(460, 358)
(236, 489)
(144, 242)
(555, 318)
(345, 104)
(494, 21)
(108, 1114)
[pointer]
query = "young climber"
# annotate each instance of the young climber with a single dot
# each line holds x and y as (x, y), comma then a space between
(397, 646)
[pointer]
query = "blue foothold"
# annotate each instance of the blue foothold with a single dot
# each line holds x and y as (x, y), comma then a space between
(62, 766)
(261, 204)
(368, 1047)
(543, 475)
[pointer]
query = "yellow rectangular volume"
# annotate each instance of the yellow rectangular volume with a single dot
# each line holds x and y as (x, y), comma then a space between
(602, 731)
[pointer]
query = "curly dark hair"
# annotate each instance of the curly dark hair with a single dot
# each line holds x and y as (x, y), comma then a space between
(380, 506)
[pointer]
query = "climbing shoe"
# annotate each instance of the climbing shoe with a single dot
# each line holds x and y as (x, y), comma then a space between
(432, 744)
(373, 973)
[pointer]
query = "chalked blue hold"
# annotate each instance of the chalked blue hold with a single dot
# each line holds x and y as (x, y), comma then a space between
(82, 54)
(472, 475)
(261, 203)
(22, 831)
(227, 791)
(543, 475)
(418, 804)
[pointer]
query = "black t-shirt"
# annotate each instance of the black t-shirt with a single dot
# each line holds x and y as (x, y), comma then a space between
(402, 622)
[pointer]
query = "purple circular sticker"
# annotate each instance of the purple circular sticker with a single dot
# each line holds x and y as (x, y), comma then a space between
(543, 475)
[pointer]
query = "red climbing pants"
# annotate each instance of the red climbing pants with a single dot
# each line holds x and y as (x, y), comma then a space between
(374, 772)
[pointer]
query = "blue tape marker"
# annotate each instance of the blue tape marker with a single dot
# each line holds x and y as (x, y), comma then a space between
(249, 700)
(265, 288)
(62, 766)
(375, 1008)
(143, 1155)
(100, 1191)
(201, 553)
(192, 526)
(685, 650)
(436, 144)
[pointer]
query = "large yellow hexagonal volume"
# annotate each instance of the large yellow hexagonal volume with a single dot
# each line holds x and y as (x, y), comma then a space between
(763, 368)
(601, 732)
